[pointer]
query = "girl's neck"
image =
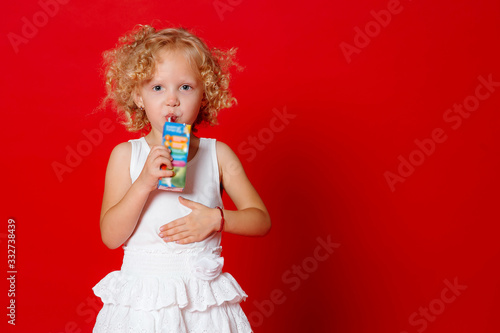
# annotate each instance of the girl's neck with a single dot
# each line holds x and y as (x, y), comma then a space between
(153, 138)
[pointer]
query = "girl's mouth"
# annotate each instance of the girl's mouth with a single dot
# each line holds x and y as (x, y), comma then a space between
(171, 118)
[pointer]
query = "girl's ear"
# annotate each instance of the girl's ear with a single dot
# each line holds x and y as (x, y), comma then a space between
(138, 99)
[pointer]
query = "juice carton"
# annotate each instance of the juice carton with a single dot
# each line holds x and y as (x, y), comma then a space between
(176, 137)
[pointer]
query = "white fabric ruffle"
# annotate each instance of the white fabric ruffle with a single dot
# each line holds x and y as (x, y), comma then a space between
(227, 318)
(153, 293)
(171, 291)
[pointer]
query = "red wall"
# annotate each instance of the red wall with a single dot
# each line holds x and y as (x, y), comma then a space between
(369, 127)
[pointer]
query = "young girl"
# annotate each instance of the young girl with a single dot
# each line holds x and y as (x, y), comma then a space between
(171, 279)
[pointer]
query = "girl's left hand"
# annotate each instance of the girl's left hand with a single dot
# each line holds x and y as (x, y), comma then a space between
(194, 227)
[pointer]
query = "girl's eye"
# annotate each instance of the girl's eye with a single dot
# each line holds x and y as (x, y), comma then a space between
(186, 87)
(157, 88)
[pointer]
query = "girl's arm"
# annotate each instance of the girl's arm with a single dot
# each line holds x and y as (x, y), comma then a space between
(251, 217)
(123, 201)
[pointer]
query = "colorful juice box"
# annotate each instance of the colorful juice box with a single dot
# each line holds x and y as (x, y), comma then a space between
(176, 137)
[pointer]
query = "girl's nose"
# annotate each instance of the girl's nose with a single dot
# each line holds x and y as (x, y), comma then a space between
(172, 100)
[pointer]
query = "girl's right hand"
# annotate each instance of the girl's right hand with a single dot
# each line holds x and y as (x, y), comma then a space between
(152, 171)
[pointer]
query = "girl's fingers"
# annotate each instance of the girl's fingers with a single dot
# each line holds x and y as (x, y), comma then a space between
(162, 161)
(173, 231)
(178, 223)
(157, 159)
(166, 173)
(186, 240)
(174, 224)
(181, 234)
(177, 237)
(160, 150)
(162, 157)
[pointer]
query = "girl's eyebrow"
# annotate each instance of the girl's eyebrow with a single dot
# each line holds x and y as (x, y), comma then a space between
(189, 80)
(154, 83)
(181, 80)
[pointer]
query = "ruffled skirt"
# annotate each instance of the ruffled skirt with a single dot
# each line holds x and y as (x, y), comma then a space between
(171, 292)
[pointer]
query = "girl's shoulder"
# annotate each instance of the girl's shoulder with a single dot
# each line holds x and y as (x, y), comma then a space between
(121, 152)
(223, 150)
(118, 169)
(123, 147)
(126, 147)
(229, 163)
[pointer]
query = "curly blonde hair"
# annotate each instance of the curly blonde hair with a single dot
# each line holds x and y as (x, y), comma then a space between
(133, 61)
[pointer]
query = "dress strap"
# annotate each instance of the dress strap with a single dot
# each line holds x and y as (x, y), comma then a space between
(138, 156)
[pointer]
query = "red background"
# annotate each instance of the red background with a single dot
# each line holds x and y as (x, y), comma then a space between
(320, 173)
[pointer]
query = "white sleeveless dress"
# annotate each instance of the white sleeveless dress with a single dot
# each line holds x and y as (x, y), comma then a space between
(167, 287)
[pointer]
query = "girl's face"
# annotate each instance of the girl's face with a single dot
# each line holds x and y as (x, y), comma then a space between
(175, 91)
